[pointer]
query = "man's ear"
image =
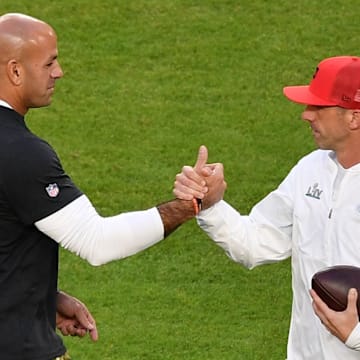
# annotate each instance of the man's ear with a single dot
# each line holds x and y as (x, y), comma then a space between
(355, 120)
(14, 72)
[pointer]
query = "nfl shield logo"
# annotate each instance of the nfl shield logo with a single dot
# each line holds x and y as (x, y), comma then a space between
(52, 190)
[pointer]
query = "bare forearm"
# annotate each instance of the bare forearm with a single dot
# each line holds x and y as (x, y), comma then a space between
(174, 213)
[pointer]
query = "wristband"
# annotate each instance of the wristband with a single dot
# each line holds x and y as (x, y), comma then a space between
(197, 205)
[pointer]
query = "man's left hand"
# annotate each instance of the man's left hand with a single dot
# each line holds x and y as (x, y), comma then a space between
(339, 323)
(73, 318)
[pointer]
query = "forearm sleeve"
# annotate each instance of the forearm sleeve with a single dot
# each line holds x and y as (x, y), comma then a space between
(80, 229)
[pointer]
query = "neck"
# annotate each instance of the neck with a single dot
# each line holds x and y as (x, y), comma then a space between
(349, 158)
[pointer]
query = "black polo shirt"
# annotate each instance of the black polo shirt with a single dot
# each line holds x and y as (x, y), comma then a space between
(33, 185)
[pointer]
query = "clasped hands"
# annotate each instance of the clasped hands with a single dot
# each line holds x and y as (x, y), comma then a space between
(203, 181)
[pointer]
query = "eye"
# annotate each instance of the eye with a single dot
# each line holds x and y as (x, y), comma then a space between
(51, 62)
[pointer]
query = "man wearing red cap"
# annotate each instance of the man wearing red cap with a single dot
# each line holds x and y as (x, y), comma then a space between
(313, 216)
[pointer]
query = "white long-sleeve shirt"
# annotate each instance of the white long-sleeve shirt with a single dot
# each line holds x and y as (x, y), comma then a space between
(314, 217)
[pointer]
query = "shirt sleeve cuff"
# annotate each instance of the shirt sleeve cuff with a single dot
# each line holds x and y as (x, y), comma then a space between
(353, 341)
(206, 213)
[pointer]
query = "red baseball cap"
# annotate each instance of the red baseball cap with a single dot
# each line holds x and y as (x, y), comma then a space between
(336, 82)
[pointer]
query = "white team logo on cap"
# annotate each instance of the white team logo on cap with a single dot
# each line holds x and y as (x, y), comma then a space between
(357, 96)
(52, 190)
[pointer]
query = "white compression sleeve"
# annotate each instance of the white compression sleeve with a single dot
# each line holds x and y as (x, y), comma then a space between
(79, 228)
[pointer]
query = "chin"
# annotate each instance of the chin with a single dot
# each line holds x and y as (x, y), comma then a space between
(324, 147)
(42, 104)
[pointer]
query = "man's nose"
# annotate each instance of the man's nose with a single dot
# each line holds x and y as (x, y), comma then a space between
(308, 114)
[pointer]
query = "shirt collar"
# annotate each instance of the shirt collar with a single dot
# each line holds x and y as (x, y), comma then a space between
(5, 104)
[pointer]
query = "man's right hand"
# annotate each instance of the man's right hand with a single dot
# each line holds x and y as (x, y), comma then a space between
(203, 181)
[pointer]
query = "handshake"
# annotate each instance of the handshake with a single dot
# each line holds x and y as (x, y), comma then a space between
(203, 181)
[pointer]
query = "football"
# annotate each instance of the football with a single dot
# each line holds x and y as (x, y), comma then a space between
(332, 284)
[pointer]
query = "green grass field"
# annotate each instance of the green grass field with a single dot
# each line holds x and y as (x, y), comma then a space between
(146, 82)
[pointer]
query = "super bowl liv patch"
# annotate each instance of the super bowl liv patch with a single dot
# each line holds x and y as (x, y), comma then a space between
(314, 191)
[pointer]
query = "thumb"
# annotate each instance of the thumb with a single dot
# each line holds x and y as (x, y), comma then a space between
(201, 159)
(352, 298)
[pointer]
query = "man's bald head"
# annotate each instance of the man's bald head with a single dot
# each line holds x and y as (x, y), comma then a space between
(17, 32)
(28, 61)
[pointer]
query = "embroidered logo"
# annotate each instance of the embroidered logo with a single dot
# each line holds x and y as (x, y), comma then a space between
(346, 98)
(52, 190)
(314, 191)
(357, 96)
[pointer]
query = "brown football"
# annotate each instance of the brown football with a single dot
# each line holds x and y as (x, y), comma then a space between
(332, 284)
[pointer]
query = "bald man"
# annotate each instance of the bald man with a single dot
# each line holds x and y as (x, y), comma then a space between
(41, 208)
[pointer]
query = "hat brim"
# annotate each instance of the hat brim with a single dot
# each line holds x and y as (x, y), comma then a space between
(302, 95)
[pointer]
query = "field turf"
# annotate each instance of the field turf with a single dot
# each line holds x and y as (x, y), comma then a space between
(146, 83)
